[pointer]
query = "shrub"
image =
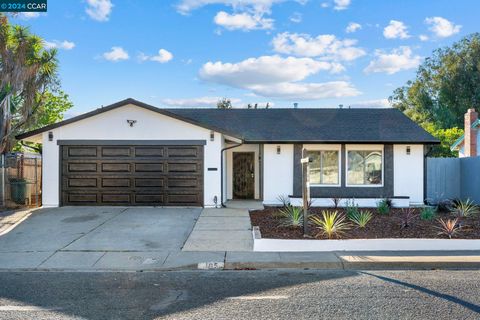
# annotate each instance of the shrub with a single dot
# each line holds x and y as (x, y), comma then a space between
(383, 206)
(336, 202)
(449, 227)
(285, 200)
(361, 218)
(350, 208)
(406, 217)
(291, 216)
(427, 213)
(445, 206)
(331, 224)
(465, 208)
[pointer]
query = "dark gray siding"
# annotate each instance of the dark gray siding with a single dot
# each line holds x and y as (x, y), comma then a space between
(343, 191)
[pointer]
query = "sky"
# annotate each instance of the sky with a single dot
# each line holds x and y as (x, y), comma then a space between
(190, 53)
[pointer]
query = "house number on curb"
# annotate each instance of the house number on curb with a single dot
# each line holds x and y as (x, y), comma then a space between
(211, 265)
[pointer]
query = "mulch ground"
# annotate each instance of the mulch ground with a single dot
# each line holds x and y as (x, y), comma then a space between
(381, 226)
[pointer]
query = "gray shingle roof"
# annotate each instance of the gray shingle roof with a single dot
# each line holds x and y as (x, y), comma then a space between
(312, 125)
(288, 125)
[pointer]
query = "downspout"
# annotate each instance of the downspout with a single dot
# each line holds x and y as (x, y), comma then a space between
(221, 171)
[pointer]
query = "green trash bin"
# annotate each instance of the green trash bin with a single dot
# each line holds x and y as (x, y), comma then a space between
(18, 190)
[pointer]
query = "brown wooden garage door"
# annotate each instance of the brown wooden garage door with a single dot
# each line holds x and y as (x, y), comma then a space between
(159, 175)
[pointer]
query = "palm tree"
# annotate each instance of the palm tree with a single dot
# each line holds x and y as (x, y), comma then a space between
(26, 71)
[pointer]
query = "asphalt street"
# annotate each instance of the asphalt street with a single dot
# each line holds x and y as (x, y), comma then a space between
(301, 294)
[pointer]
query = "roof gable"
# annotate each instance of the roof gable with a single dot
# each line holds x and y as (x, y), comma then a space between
(113, 107)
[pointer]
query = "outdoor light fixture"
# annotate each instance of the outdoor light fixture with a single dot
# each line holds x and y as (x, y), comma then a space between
(212, 135)
(50, 136)
(408, 150)
(278, 149)
(131, 122)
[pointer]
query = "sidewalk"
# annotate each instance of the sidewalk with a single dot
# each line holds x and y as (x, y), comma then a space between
(225, 229)
(232, 260)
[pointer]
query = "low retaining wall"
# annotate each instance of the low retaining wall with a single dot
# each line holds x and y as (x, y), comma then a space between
(300, 245)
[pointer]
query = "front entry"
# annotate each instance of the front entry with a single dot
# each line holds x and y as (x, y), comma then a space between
(243, 175)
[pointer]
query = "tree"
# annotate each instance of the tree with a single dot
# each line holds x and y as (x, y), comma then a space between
(50, 111)
(27, 73)
(446, 85)
(224, 103)
(447, 138)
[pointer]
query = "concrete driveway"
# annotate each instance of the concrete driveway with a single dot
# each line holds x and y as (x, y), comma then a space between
(98, 237)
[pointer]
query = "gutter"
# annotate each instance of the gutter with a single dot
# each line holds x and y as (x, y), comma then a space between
(221, 170)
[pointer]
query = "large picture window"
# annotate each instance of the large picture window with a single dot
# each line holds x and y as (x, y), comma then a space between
(364, 167)
(324, 168)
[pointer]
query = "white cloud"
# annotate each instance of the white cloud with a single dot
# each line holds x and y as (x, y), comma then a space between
(307, 91)
(324, 5)
(258, 6)
(99, 9)
(65, 45)
(396, 29)
(325, 46)
(242, 21)
(263, 70)
(441, 27)
(116, 54)
(274, 76)
(296, 17)
(28, 15)
(353, 27)
(341, 4)
(163, 56)
(397, 60)
(200, 102)
(379, 103)
(423, 37)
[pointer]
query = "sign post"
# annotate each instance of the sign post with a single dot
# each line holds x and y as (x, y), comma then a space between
(305, 190)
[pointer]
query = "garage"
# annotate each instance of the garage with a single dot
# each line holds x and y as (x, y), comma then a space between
(131, 173)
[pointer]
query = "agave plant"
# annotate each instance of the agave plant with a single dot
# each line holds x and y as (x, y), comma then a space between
(361, 218)
(351, 209)
(465, 208)
(291, 216)
(330, 224)
(449, 227)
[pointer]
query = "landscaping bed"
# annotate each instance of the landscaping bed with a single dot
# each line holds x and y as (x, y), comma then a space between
(390, 225)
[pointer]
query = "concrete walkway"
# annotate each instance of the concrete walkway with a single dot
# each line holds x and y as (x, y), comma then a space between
(221, 230)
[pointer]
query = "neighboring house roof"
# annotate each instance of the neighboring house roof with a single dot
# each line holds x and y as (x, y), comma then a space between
(459, 141)
(289, 125)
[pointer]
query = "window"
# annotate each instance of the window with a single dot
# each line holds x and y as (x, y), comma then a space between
(324, 168)
(364, 167)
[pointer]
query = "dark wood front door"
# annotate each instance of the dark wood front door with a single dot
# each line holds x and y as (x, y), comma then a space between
(243, 175)
(138, 175)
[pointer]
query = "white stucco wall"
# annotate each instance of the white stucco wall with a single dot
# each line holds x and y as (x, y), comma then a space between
(229, 154)
(112, 125)
(408, 172)
(278, 172)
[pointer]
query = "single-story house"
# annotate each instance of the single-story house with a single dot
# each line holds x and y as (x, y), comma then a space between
(467, 144)
(132, 153)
